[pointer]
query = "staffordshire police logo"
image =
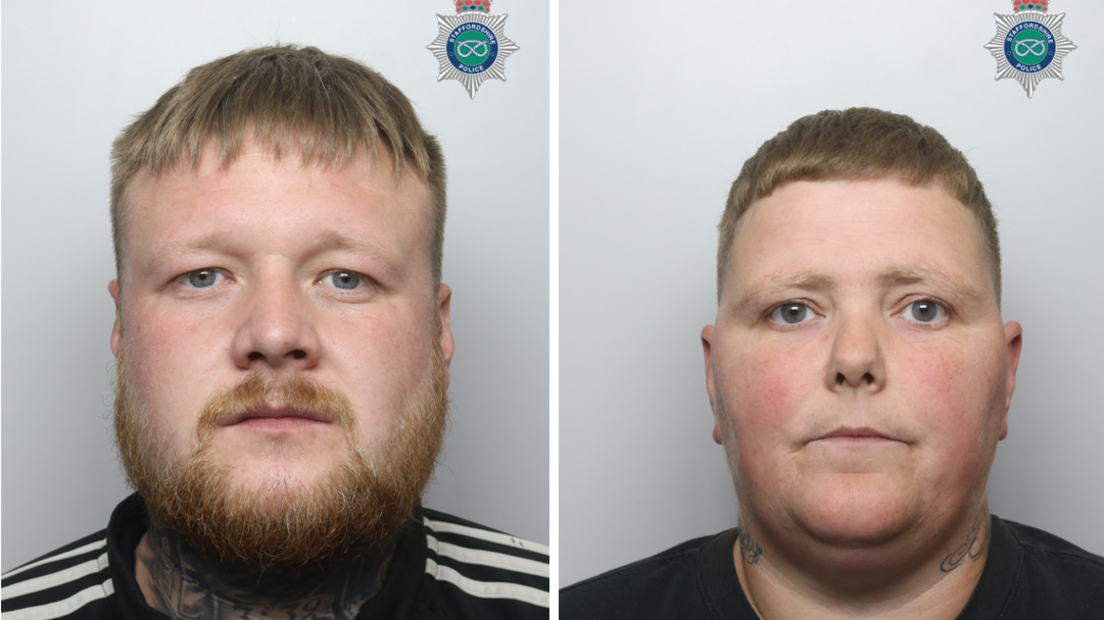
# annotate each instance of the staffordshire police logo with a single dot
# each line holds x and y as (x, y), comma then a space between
(1029, 45)
(470, 45)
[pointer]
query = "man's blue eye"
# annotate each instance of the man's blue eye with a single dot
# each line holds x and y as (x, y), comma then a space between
(345, 280)
(202, 278)
(925, 310)
(791, 314)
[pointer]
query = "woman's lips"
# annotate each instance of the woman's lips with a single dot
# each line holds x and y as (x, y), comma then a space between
(854, 434)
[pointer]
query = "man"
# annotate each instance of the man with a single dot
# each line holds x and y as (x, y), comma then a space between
(283, 344)
(860, 375)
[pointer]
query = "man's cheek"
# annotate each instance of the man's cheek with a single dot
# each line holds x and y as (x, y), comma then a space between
(172, 376)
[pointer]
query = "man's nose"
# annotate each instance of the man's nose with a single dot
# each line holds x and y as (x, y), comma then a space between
(857, 355)
(276, 329)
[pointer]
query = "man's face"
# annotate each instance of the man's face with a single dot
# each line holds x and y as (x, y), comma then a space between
(859, 370)
(280, 273)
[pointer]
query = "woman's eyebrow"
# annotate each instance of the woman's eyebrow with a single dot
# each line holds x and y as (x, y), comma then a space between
(767, 289)
(921, 274)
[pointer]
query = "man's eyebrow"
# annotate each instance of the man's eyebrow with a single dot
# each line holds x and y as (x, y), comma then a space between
(329, 240)
(386, 259)
(333, 240)
(172, 249)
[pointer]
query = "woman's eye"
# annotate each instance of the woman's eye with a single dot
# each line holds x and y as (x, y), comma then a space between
(345, 280)
(792, 313)
(202, 278)
(925, 311)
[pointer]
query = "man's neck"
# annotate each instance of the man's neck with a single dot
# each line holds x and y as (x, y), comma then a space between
(180, 583)
(933, 588)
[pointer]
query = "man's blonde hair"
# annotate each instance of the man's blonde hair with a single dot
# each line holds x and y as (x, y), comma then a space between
(293, 101)
(858, 143)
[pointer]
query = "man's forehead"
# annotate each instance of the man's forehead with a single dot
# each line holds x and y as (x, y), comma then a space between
(375, 167)
(372, 173)
(361, 205)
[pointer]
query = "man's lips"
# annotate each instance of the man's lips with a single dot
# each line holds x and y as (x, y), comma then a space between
(272, 415)
(847, 433)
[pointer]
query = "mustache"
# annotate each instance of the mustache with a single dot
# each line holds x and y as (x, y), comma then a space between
(260, 390)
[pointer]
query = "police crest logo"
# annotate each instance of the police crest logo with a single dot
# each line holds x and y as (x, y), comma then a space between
(471, 46)
(1029, 44)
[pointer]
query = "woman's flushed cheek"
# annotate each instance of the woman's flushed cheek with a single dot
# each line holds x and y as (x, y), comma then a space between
(765, 390)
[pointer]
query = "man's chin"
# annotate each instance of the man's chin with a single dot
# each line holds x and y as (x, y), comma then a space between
(272, 490)
(283, 521)
(291, 475)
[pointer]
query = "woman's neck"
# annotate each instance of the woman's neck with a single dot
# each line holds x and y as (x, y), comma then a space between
(928, 586)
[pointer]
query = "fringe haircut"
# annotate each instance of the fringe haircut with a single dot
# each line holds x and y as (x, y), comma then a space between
(858, 144)
(296, 101)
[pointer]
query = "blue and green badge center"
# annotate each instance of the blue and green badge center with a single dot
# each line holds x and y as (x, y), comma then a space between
(1029, 47)
(472, 47)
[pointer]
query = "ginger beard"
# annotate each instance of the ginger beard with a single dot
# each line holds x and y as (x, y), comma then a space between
(281, 528)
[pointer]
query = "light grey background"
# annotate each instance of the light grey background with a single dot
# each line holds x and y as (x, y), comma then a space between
(75, 72)
(660, 105)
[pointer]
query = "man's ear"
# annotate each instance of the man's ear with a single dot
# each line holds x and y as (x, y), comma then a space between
(117, 328)
(707, 349)
(444, 303)
(1013, 337)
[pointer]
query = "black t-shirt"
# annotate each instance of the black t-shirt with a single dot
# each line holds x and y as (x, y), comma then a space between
(442, 568)
(1028, 575)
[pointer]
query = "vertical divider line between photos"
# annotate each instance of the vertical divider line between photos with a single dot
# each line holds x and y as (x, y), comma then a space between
(554, 301)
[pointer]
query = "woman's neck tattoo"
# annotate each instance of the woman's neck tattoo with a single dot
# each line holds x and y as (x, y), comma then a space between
(975, 546)
(750, 550)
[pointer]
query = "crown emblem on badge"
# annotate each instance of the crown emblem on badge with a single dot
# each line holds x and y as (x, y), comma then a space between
(1023, 5)
(483, 6)
(1029, 45)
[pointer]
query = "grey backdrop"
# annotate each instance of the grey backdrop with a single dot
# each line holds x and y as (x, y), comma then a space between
(75, 72)
(660, 105)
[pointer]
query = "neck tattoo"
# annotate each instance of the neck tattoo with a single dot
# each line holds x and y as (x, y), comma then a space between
(184, 585)
(750, 550)
(975, 546)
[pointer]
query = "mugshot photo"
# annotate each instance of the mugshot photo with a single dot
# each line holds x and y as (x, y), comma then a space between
(299, 283)
(671, 433)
